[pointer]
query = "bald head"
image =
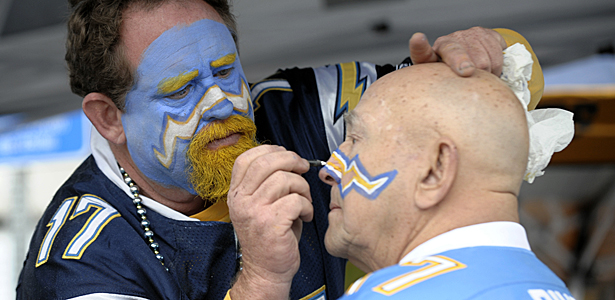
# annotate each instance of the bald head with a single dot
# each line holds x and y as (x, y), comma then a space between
(426, 151)
(480, 114)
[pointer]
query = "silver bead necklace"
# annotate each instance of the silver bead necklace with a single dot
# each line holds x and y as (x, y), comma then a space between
(145, 224)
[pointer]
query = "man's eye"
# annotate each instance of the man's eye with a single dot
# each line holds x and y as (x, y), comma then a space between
(224, 73)
(181, 93)
(351, 139)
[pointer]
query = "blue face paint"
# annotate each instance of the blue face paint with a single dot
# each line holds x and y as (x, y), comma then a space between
(188, 77)
(351, 174)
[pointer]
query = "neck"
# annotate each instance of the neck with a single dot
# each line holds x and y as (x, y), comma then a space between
(173, 197)
(456, 211)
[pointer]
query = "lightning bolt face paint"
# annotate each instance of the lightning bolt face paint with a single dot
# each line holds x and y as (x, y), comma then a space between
(188, 77)
(351, 174)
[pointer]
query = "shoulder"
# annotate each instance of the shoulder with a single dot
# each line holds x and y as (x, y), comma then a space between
(84, 243)
(326, 78)
(470, 273)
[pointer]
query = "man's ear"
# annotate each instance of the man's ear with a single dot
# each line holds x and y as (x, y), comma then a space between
(105, 116)
(438, 180)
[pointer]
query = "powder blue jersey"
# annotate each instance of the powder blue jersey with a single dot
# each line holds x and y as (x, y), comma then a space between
(483, 272)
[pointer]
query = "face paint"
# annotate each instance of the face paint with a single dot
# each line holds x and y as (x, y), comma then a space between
(351, 174)
(188, 77)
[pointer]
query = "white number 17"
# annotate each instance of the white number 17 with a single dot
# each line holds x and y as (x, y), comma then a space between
(102, 215)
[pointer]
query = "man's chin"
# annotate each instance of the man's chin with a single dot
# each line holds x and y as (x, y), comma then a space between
(211, 170)
(211, 176)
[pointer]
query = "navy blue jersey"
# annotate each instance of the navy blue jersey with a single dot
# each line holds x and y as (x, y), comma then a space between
(90, 240)
(484, 272)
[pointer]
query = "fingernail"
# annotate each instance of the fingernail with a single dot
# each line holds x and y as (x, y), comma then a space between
(464, 65)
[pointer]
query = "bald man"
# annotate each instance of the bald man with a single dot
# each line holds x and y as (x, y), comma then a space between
(424, 191)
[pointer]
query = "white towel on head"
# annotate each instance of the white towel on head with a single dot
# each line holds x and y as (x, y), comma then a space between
(551, 129)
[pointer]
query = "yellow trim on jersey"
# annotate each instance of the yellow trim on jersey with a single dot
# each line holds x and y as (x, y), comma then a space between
(314, 293)
(351, 87)
(537, 83)
(433, 266)
(257, 103)
(62, 212)
(228, 295)
(217, 212)
(357, 284)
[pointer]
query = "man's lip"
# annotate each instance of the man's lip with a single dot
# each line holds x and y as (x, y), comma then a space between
(228, 140)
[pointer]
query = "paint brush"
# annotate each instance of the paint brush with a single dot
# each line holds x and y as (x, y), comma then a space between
(316, 163)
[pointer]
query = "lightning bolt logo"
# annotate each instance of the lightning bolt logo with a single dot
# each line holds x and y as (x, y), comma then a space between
(350, 88)
(360, 180)
(185, 130)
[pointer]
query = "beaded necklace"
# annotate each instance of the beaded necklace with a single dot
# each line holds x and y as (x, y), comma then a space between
(145, 224)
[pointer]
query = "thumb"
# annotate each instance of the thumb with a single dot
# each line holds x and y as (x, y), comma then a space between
(420, 50)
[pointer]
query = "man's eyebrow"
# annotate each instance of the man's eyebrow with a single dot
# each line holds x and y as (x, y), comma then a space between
(353, 121)
(171, 84)
(223, 61)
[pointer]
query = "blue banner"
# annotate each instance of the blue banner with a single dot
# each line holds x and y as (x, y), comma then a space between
(63, 136)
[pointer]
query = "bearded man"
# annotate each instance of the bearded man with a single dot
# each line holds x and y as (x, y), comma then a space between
(144, 217)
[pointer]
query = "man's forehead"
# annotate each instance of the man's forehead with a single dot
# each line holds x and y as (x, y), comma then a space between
(143, 25)
(354, 121)
(204, 45)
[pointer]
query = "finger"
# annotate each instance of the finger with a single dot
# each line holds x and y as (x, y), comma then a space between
(494, 47)
(480, 55)
(293, 207)
(455, 56)
(243, 161)
(267, 164)
(281, 184)
(420, 49)
(297, 228)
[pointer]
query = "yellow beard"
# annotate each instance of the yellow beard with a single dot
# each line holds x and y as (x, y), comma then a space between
(210, 170)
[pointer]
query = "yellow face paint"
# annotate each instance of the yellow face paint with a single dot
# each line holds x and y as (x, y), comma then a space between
(172, 84)
(223, 61)
(186, 129)
(351, 174)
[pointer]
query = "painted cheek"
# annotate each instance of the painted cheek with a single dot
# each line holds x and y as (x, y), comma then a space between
(242, 102)
(351, 174)
(237, 91)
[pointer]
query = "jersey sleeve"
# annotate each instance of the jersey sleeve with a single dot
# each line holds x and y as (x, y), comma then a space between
(537, 83)
(313, 99)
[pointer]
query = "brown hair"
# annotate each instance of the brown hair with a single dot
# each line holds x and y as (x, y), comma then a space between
(95, 61)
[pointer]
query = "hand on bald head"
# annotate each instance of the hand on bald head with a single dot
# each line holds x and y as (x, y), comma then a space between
(479, 115)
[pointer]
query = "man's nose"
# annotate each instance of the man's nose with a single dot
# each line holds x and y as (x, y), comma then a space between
(326, 175)
(216, 104)
(221, 111)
